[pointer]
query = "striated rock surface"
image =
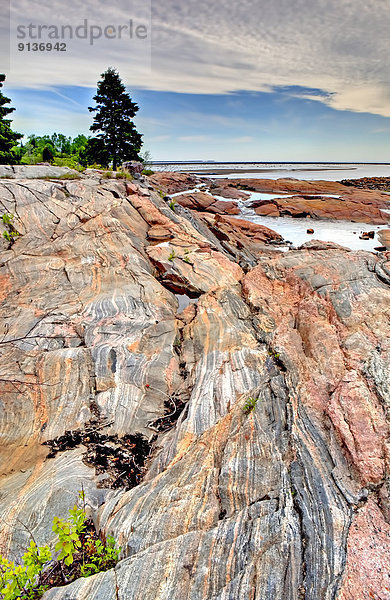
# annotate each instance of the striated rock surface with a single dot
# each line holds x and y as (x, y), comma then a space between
(286, 185)
(288, 501)
(172, 183)
(36, 172)
(384, 237)
(205, 202)
(358, 207)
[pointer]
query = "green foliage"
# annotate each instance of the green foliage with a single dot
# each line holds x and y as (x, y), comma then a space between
(47, 155)
(24, 581)
(81, 553)
(172, 255)
(113, 121)
(250, 405)
(57, 149)
(95, 153)
(8, 137)
(123, 175)
(118, 175)
(146, 158)
(172, 204)
(161, 193)
(7, 218)
(10, 233)
(69, 534)
(68, 161)
(99, 557)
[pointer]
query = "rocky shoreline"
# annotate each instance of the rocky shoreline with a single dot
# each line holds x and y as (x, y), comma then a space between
(323, 200)
(287, 500)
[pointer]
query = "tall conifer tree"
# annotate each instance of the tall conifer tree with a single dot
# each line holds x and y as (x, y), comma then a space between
(113, 122)
(8, 138)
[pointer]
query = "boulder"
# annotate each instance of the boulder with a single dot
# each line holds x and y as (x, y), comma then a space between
(384, 237)
(201, 201)
(133, 167)
(350, 208)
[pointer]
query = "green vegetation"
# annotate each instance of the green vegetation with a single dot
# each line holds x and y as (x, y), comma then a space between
(116, 135)
(172, 204)
(24, 581)
(172, 255)
(250, 405)
(81, 554)
(146, 158)
(10, 232)
(117, 175)
(123, 175)
(8, 137)
(56, 149)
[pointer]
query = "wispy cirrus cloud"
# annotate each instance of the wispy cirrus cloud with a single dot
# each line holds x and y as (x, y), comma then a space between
(338, 46)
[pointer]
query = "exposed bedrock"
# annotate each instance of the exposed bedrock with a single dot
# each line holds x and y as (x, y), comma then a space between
(354, 207)
(205, 202)
(288, 501)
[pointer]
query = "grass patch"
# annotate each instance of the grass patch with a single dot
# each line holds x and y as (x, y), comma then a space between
(172, 204)
(147, 172)
(250, 405)
(123, 175)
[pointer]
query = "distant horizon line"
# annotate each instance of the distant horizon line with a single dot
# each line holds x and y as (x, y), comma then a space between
(248, 162)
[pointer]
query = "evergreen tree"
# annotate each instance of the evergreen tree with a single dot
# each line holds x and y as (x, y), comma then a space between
(8, 138)
(113, 120)
(94, 152)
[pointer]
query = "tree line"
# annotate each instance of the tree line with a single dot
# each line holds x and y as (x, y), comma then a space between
(115, 138)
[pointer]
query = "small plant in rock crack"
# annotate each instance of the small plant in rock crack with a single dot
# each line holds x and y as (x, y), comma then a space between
(172, 204)
(7, 218)
(187, 256)
(69, 533)
(24, 581)
(99, 557)
(81, 554)
(249, 405)
(10, 233)
(172, 256)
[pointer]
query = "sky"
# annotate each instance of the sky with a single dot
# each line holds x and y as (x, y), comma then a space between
(265, 80)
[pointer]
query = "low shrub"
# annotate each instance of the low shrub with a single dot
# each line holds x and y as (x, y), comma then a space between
(250, 405)
(81, 554)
